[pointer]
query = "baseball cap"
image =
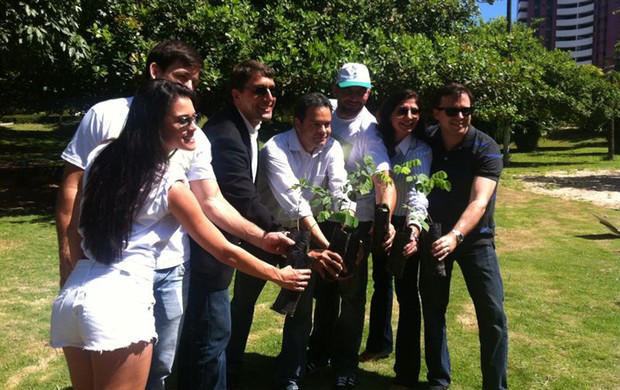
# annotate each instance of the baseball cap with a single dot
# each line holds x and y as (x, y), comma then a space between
(353, 75)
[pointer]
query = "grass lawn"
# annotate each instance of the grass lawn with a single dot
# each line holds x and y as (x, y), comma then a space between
(560, 270)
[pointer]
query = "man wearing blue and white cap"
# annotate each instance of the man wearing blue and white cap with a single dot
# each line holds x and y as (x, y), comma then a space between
(337, 331)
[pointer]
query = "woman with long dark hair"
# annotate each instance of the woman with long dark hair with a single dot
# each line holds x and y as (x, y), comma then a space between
(134, 201)
(398, 118)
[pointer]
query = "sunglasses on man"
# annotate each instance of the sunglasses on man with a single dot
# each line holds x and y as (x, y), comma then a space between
(454, 111)
(263, 90)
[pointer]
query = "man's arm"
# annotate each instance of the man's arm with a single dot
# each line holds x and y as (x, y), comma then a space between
(310, 224)
(225, 216)
(481, 192)
(67, 215)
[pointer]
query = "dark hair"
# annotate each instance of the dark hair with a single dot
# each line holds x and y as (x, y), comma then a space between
(385, 114)
(244, 71)
(314, 100)
(123, 174)
(453, 90)
(166, 53)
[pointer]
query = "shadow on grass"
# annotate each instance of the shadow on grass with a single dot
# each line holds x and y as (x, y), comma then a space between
(571, 134)
(592, 182)
(30, 171)
(258, 373)
(524, 164)
(598, 237)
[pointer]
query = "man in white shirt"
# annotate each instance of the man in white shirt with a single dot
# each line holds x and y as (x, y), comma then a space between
(178, 62)
(338, 339)
(305, 152)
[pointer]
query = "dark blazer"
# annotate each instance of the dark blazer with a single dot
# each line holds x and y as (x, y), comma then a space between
(231, 161)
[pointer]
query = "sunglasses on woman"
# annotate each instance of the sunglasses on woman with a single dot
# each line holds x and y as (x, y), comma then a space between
(404, 111)
(186, 120)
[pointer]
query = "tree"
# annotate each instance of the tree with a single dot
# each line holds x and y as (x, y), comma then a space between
(40, 51)
(77, 53)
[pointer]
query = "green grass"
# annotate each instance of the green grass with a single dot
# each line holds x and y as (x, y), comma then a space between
(560, 270)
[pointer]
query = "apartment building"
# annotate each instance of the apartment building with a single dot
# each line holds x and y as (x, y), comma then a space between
(588, 29)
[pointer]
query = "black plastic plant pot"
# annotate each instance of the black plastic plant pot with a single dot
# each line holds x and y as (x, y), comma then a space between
(396, 262)
(434, 268)
(346, 244)
(380, 226)
(286, 302)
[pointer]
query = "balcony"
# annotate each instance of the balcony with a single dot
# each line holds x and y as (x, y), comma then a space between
(574, 22)
(569, 2)
(575, 33)
(577, 10)
(573, 44)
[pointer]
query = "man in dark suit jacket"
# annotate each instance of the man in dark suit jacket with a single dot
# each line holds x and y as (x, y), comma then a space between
(233, 134)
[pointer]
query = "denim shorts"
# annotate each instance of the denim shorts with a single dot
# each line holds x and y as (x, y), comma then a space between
(102, 308)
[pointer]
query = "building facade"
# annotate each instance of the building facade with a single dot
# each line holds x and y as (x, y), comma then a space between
(588, 29)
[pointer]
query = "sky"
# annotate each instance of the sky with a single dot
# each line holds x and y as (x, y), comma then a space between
(497, 9)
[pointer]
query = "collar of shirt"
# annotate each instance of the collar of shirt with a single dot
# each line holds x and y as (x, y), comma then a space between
(435, 140)
(404, 145)
(251, 129)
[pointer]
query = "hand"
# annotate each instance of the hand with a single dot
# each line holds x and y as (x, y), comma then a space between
(411, 248)
(293, 279)
(389, 238)
(413, 245)
(445, 245)
(327, 262)
(276, 243)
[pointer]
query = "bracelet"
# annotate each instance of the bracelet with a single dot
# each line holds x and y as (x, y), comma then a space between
(313, 226)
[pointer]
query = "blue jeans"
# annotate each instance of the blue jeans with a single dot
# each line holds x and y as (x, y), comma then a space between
(202, 357)
(291, 362)
(407, 359)
(245, 294)
(170, 289)
(337, 334)
(380, 338)
(482, 276)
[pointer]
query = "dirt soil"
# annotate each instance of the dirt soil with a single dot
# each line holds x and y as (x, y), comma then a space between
(599, 187)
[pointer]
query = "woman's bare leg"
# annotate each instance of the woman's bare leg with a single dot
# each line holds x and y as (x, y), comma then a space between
(123, 368)
(80, 367)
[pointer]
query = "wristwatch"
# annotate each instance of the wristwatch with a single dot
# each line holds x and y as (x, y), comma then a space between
(459, 236)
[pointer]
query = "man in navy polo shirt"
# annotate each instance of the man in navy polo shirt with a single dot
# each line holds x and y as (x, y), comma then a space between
(473, 163)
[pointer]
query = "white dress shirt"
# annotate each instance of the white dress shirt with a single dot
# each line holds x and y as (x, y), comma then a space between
(284, 161)
(253, 131)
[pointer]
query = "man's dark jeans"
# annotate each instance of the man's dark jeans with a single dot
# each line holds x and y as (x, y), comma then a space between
(246, 291)
(338, 335)
(380, 338)
(201, 356)
(481, 273)
(407, 359)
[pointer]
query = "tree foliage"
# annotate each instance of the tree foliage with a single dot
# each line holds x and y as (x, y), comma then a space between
(40, 48)
(72, 53)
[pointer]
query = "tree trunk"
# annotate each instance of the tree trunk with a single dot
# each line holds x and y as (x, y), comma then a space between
(506, 144)
(612, 140)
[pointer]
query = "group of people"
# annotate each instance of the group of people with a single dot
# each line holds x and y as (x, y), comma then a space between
(154, 214)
